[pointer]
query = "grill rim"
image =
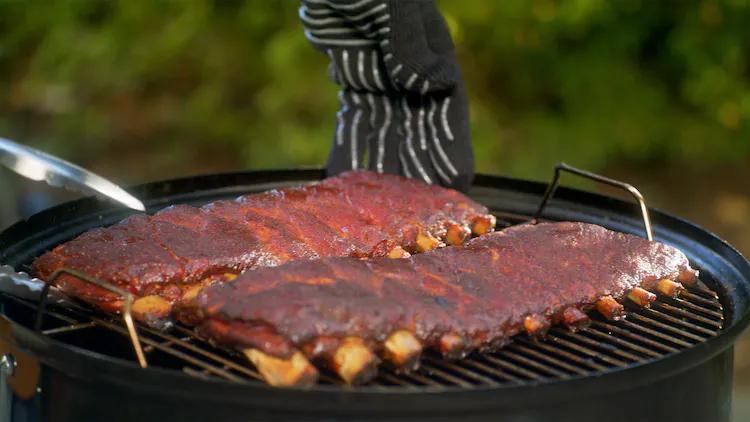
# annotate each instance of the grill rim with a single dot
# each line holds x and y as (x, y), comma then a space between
(516, 193)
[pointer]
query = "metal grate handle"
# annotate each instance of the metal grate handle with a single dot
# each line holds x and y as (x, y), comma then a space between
(126, 314)
(552, 187)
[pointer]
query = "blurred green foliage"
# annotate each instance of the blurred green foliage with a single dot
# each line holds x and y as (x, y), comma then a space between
(152, 89)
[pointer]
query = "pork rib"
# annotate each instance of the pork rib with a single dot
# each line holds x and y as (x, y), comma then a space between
(348, 313)
(166, 257)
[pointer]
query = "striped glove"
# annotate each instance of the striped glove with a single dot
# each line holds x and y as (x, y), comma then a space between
(403, 101)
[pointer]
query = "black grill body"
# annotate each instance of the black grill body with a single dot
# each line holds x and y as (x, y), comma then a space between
(693, 383)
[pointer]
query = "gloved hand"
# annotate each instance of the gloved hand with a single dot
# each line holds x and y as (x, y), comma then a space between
(403, 101)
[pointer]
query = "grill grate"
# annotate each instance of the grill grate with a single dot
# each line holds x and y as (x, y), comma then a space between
(668, 326)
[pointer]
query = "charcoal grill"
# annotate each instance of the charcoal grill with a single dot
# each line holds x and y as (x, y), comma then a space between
(671, 361)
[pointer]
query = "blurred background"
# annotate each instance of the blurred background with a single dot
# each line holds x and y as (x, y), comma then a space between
(653, 93)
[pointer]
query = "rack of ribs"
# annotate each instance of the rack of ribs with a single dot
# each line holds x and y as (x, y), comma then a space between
(349, 314)
(168, 257)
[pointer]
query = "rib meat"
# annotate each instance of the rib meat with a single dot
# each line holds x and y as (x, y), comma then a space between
(345, 312)
(166, 257)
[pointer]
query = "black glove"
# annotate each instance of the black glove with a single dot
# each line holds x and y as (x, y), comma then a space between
(403, 101)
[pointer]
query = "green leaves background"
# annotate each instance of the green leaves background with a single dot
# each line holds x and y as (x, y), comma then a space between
(180, 87)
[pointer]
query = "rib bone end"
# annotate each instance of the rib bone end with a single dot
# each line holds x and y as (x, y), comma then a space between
(641, 297)
(688, 277)
(610, 308)
(483, 224)
(403, 350)
(151, 307)
(456, 234)
(536, 325)
(354, 362)
(398, 252)
(669, 288)
(426, 242)
(452, 346)
(280, 372)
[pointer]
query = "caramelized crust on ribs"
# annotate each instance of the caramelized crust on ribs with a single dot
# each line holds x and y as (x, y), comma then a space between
(455, 299)
(168, 255)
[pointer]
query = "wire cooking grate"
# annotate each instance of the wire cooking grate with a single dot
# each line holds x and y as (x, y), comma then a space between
(668, 326)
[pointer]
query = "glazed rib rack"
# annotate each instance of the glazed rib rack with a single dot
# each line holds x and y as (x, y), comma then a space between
(668, 326)
(166, 258)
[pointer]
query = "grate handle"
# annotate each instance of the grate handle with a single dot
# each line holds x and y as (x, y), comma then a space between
(126, 314)
(552, 187)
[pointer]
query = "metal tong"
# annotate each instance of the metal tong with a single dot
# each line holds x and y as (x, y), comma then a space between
(40, 166)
